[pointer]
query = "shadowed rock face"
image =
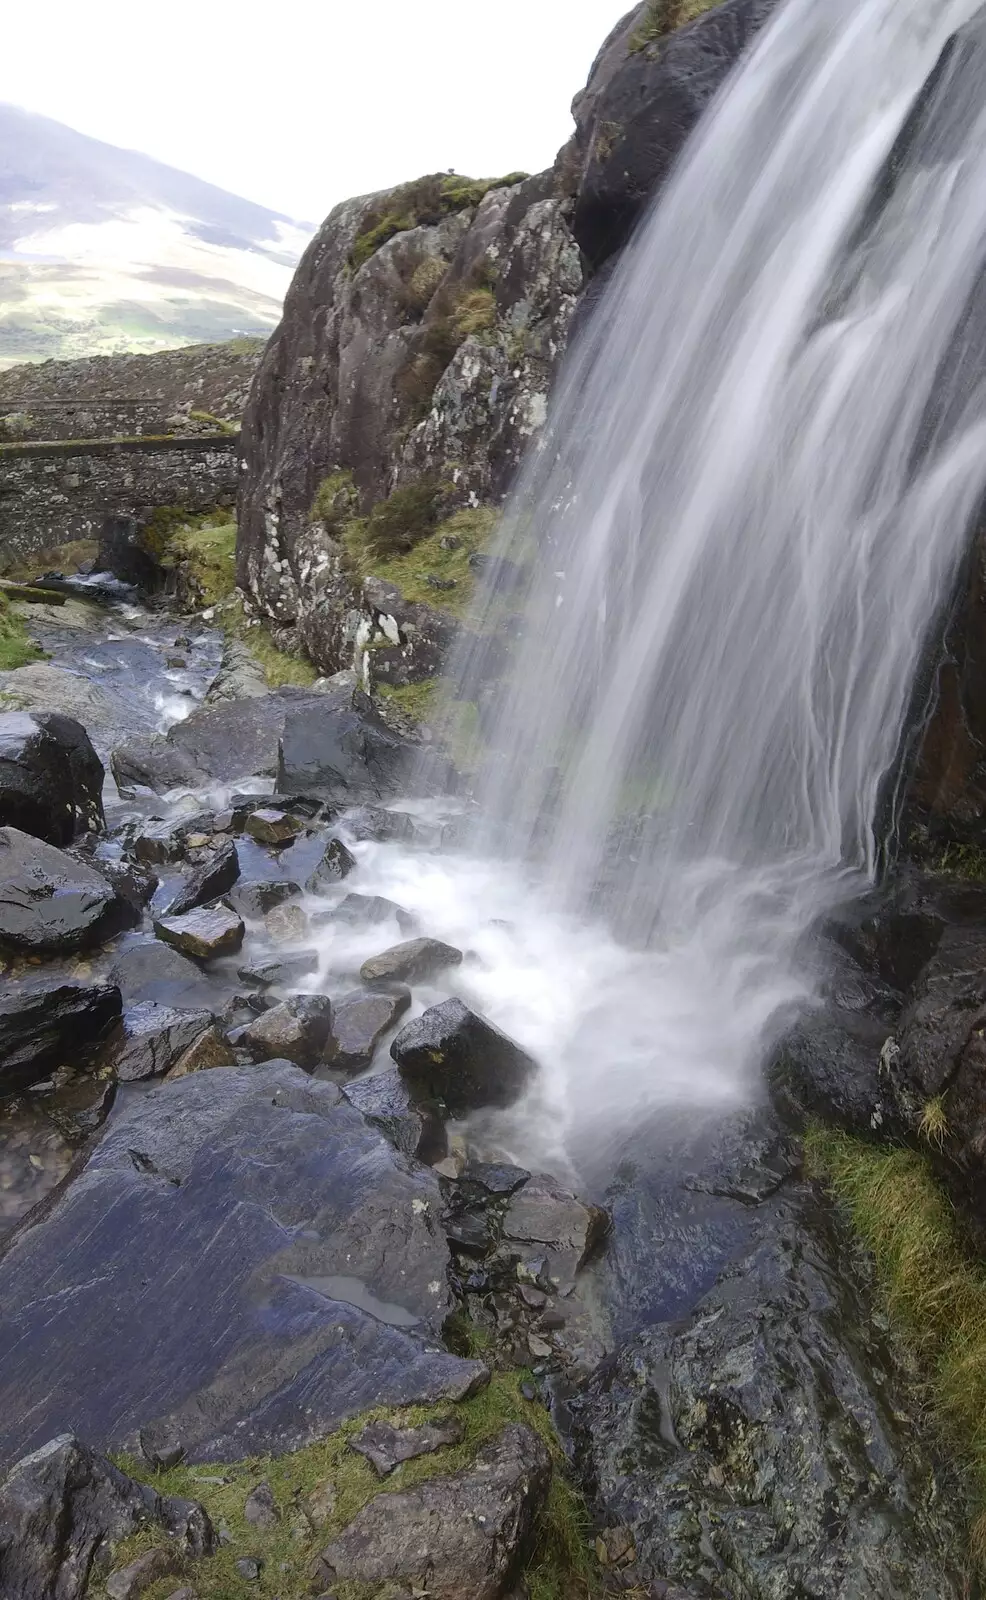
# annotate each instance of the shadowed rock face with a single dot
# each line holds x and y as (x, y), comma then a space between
(43, 1027)
(312, 1277)
(50, 904)
(51, 779)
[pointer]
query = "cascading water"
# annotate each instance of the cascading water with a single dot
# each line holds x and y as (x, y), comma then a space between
(746, 515)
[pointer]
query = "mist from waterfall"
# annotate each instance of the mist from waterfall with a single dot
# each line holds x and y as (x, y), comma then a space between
(740, 528)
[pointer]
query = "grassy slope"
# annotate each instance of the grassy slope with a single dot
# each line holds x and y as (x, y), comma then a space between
(17, 648)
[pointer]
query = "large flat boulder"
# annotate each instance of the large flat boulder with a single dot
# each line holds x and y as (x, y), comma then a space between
(242, 1263)
(47, 1025)
(50, 903)
(218, 743)
(51, 779)
(339, 747)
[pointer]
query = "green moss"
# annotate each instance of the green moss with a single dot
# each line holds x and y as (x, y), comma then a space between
(336, 502)
(934, 1292)
(207, 548)
(410, 569)
(215, 422)
(17, 647)
(462, 311)
(424, 202)
(416, 701)
(66, 557)
(562, 1567)
(665, 16)
(963, 861)
(402, 521)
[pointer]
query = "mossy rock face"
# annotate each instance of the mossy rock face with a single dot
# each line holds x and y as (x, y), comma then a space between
(422, 203)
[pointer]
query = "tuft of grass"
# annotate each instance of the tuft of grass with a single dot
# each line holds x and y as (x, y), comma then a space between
(410, 569)
(934, 1292)
(963, 861)
(663, 17)
(17, 648)
(562, 1565)
(217, 423)
(399, 523)
(424, 202)
(457, 313)
(336, 502)
(933, 1126)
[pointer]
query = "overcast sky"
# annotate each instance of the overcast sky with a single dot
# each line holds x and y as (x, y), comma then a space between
(301, 103)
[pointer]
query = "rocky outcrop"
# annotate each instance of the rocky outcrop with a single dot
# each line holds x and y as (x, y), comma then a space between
(51, 779)
(52, 904)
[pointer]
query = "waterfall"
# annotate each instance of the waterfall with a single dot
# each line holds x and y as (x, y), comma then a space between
(745, 516)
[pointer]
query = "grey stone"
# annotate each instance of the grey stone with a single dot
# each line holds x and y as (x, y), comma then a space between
(386, 1447)
(49, 1025)
(281, 1266)
(126, 1583)
(359, 1022)
(273, 827)
(287, 924)
(542, 1215)
(240, 676)
(412, 1125)
(51, 779)
(152, 971)
(337, 863)
(365, 910)
(375, 822)
(249, 1568)
(218, 743)
(210, 1049)
(152, 1039)
(464, 1537)
(339, 747)
(456, 1056)
(253, 900)
(204, 933)
(411, 962)
(297, 1030)
(210, 879)
(50, 903)
(61, 1510)
(260, 1509)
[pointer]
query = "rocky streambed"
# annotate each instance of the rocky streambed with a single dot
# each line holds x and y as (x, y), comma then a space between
(308, 1287)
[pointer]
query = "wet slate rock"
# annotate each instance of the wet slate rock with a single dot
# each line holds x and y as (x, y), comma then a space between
(386, 1447)
(829, 1065)
(50, 1025)
(298, 1030)
(210, 879)
(367, 910)
(152, 971)
(62, 1509)
(205, 933)
(360, 1021)
(464, 1537)
(271, 827)
(338, 746)
(51, 779)
(454, 1055)
(763, 1445)
(152, 762)
(255, 898)
(220, 743)
(288, 924)
(544, 1221)
(411, 962)
(411, 1125)
(337, 863)
(240, 676)
(210, 1049)
(52, 904)
(378, 824)
(281, 1266)
(152, 1039)
(280, 974)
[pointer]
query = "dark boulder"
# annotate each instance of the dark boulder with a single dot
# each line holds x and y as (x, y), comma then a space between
(152, 971)
(205, 933)
(51, 779)
(465, 1537)
(453, 1055)
(209, 879)
(641, 102)
(254, 899)
(410, 1124)
(152, 762)
(359, 1022)
(221, 743)
(126, 549)
(337, 863)
(298, 1030)
(280, 974)
(375, 822)
(387, 1447)
(151, 1040)
(50, 904)
(51, 1025)
(272, 827)
(763, 1445)
(63, 1508)
(411, 962)
(279, 1264)
(338, 746)
(366, 910)
(830, 1065)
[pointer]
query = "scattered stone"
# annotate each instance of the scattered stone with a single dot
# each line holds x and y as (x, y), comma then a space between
(249, 1568)
(280, 974)
(322, 1502)
(434, 582)
(79, 1108)
(287, 925)
(210, 1049)
(360, 1021)
(337, 863)
(366, 910)
(204, 933)
(450, 541)
(298, 1031)
(49, 1026)
(386, 1447)
(50, 903)
(274, 827)
(51, 779)
(411, 1125)
(254, 899)
(456, 1537)
(152, 1039)
(264, 1211)
(411, 962)
(542, 1213)
(377, 823)
(217, 873)
(151, 971)
(454, 1055)
(126, 1583)
(63, 1508)
(260, 1509)
(159, 843)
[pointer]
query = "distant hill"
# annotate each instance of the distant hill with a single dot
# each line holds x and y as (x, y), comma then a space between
(103, 250)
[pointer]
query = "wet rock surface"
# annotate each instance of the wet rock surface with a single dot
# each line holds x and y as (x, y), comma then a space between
(298, 1030)
(154, 972)
(209, 879)
(453, 1055)
(458, 1538)
(360, 1021)
(411, 1125)
(52, 904)
(51, 779)
(313, 1277)
(335, 864)
(253, 900)
(411, 962)
(151, 1040)
(61, 1510)
(386, 1447)
(204, 933)
(338, 746)
(51, 1024)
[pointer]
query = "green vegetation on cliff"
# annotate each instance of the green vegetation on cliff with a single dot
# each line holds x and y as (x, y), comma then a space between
(663, 17)
(318, 1491)
(17, 647)
(934, 1292)
(424, 202)
(426, 556)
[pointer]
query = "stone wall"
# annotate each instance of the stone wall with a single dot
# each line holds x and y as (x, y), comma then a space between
(56, 492)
